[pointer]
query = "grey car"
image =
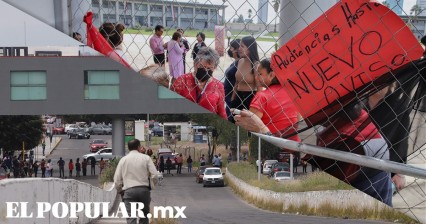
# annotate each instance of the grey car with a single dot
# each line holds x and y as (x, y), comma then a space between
(100, 129)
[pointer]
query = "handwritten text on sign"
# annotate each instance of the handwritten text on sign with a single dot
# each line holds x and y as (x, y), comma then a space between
(350, 45)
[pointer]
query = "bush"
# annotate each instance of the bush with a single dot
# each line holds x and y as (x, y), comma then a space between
(108, 174)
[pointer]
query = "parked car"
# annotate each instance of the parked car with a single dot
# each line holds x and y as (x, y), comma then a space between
(105, 153)
(267, 166)
(100, 129)
(70, 127)
(79, 134)
(98, 144)
(58, 130)
(282, 175)
(157, 131)
(279, 166)
(213, 176)
(199, 174)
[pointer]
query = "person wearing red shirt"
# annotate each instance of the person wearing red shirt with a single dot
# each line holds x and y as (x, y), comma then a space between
(200, 86)
(273, 105)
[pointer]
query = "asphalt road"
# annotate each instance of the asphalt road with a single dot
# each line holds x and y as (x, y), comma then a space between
(208, 205)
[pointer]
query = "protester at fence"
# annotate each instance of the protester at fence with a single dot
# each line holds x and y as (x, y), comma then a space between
(202, 160)
(157, 46)
(49, 168)
(43, 168)
(273, 105)
(350, 130)
(70, 167)
(43, 146)
(102, 165)
(61, 165)
(77, 167)
(201, 37)
(161, 164)
(93, 166)
(175, 50)
(35, 168)
(30, 169)
(179, 161)
(200, 86)
(229, 81)
(113, 33)
(304, 165)
(189, 163)
(184, 42)
(84, 167)
(216, 161)
(219, 156)
(245, 82)
(26, 168)
(132, 176)
(168, 165)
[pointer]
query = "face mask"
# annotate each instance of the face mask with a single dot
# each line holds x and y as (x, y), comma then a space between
(203, 75)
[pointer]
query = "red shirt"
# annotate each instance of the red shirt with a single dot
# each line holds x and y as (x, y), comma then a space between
(279, 112)
(211, 98)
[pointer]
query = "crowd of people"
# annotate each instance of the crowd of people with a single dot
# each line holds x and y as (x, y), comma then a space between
(20, 168)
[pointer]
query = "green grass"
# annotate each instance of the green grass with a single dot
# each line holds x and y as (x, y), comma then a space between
(317, 181)
(312, 182)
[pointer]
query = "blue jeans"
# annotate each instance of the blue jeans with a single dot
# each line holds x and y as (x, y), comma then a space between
(378, 186)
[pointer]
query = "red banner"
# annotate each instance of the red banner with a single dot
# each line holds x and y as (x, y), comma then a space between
(348, 47)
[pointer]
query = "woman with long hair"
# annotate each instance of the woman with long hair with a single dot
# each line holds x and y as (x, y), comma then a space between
(245, 82)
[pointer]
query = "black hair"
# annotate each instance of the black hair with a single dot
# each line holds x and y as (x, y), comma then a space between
(133, 144)
(251, 44)
(235, 43)
(75, 34)
(266, 64)
(176, 35)
(202, 35)
(159, 27)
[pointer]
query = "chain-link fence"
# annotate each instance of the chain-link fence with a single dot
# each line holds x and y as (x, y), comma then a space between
(345, 75)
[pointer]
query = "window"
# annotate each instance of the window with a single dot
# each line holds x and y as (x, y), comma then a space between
(101, 85)
(164, 93)
(28, 85)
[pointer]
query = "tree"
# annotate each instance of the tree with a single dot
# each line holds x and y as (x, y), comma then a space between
(276, 8)
(416, 10)
(223, 131)
(14, 130)
(267, 150)
(240, 19)
(249, 13)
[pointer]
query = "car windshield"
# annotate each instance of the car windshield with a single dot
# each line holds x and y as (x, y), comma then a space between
(212, 172)
(98, 141)
(283, 174)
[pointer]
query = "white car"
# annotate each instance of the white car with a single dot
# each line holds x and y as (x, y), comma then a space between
(267, 165)
(282, 176)
(105, 153)
(213, 176)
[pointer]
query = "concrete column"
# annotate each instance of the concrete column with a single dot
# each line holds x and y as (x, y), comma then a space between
(223, 17)
(117, 16)
(193, 17)
(291, 22)
(101, 12)
(149, 14)
(178, 16)
(164, 15)
(118, 147)
(78, 10)
(208, 18)
(133, 13)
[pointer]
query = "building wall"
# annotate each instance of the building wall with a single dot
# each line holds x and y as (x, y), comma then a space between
(396, 6)
(262, 12)
(65, 89)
